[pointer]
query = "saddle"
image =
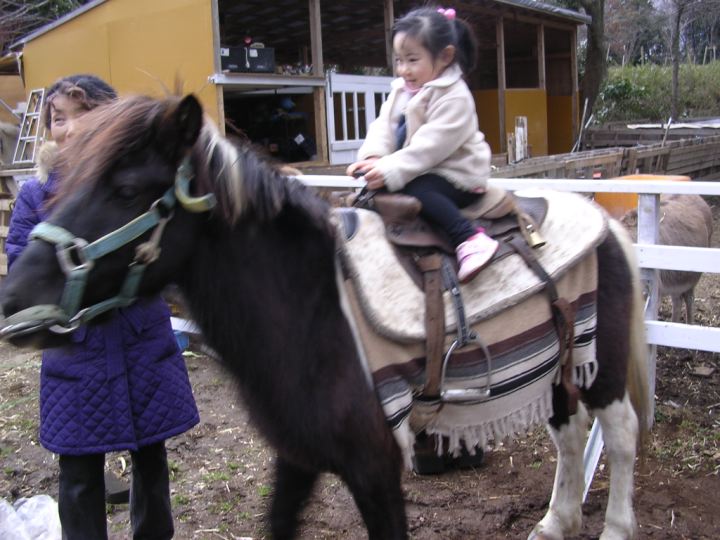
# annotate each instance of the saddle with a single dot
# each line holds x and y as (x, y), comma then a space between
(502, 215)
(428, 257)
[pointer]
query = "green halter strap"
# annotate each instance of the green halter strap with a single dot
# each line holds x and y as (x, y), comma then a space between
(77, 257)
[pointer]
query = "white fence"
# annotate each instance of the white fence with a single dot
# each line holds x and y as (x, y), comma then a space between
(651, 257)
(353, 102)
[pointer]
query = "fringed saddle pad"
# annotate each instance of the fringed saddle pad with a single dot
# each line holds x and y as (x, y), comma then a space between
(523, 347)
(519, 335)
(394, 304)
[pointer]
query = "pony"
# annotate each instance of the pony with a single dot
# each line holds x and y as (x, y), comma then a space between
(685, 220)
(255, 255)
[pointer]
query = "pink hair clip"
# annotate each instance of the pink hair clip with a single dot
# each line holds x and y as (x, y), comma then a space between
(449, 13)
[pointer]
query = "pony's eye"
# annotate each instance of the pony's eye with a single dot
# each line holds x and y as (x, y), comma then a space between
(127, 193)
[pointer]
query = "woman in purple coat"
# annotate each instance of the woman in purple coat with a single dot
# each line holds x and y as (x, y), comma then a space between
(120, 385)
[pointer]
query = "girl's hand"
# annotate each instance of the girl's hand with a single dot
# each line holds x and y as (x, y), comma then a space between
(361, 166)
(375, 179)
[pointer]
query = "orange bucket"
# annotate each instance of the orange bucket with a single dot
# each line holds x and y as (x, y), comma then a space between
(617, 204)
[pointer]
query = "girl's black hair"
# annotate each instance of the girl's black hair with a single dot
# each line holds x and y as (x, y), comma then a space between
(435, 31)
(88, 90)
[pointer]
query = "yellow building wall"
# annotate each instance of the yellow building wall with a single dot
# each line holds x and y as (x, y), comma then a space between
(532, 103)
(486, 103)
(559, 114)
(138, 46)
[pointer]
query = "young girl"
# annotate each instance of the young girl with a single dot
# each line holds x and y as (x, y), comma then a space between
(120, 385)
(425, 141)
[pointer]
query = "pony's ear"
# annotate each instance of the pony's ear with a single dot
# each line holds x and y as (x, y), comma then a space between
(180, 126)
(189, 117)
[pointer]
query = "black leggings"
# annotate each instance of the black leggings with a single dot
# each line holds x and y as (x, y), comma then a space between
(81, 501)
(441, 202)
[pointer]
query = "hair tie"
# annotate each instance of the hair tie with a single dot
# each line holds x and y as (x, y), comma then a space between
(449, 13)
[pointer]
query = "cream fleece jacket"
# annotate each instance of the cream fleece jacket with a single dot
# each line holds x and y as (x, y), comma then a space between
(442, 135)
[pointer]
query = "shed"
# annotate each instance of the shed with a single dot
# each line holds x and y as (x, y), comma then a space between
(303, 78)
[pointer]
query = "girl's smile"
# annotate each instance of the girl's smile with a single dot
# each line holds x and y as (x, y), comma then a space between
(415, 64)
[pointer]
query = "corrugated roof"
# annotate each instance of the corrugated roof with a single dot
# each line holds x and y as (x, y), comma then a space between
(548, 9)
(59, 22)
(531, 5)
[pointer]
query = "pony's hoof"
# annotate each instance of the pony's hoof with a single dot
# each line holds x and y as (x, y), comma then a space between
(539, 536)
(428, 463)
(541, 532)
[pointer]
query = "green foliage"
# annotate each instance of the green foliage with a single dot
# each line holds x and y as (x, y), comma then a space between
(643, 92)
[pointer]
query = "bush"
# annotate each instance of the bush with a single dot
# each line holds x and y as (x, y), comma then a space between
(644, 92)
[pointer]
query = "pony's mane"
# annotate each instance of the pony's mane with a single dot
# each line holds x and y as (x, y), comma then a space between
(243, 182)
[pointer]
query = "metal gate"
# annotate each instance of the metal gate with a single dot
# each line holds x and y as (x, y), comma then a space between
(353, 101)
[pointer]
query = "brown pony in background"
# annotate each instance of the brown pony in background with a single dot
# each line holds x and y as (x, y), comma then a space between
(685, 220)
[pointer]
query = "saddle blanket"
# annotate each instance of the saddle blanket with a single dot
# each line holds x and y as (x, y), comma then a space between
(524, 358)
(394, 304)
(518, 335)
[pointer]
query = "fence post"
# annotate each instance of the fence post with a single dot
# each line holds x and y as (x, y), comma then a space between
(647, 233)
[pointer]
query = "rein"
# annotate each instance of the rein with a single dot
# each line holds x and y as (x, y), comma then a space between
(77, 258)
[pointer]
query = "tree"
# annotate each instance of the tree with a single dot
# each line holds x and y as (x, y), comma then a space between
(682, 17)
(702, 29)
(20, 17)
(595, 63)
(633, 30)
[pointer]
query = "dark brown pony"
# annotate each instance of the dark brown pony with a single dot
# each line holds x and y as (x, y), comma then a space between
(259, 274)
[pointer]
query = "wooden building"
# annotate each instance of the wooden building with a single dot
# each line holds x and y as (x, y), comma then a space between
(304, 77)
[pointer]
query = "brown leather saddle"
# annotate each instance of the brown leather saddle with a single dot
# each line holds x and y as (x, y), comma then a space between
(502, 214)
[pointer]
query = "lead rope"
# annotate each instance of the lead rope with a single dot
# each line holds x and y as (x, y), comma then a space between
(149, 251)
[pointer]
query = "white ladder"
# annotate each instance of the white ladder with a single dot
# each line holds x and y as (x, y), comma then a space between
(31, 129)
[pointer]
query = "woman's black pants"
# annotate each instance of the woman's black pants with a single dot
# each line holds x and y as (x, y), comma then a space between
(81, 500)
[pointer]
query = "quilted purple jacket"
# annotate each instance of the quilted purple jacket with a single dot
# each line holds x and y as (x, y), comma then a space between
(120, 385)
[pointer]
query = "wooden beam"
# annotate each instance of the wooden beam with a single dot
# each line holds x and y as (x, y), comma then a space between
(219, 96)
(574, 78)
(321, 134)
(500, 37)
(316, 38)
(389, 16)
(541, 56)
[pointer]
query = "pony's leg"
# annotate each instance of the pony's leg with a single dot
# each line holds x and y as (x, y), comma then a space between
(565, 513)
(689, 298)
(372, 470)
(293, 486)
(677, 303)
(620, 433)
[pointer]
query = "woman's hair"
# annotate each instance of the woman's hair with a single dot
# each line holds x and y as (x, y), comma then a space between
(88, 91)
(435, 31)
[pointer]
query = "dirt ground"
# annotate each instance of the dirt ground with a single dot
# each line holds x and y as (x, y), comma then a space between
(222, 470)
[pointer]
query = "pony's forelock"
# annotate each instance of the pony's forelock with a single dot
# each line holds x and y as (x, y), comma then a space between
(106, 134)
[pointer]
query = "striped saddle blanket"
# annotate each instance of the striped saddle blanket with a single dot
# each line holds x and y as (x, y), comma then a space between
(507, 308)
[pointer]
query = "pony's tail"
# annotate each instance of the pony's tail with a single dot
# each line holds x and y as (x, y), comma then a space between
(637, 368)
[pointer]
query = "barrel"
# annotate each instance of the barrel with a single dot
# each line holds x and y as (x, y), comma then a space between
(617, 204)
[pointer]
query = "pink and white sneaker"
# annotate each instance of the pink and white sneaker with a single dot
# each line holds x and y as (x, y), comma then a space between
(474, 253)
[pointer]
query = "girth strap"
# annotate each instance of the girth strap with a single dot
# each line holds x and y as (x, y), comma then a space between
(563, 318)
(430, 266)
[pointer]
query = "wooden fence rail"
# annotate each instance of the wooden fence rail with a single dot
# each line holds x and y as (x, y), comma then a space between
(696, 157)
